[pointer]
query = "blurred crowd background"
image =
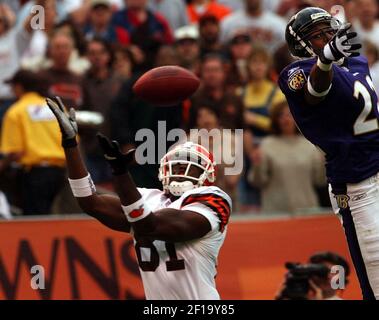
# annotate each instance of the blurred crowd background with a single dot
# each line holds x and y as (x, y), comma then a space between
(91, 52)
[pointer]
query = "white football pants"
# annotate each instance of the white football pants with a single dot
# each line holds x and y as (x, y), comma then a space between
(358, 207)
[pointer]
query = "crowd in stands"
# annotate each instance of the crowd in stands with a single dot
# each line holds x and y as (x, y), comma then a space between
(91, 52)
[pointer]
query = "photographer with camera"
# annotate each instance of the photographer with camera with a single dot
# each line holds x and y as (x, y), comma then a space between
(330, 259)
(313, 281)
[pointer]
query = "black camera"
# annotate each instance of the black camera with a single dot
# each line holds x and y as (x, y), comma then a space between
(296, 286)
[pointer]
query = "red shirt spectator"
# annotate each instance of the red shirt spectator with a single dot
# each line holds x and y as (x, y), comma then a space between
(198, 8)
(143, 28)
(59, 80)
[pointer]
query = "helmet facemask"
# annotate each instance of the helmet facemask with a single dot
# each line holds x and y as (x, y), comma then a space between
(177, 169)
(300, 30)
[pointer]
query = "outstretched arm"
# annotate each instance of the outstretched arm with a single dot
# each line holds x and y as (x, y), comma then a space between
(319, 83)
(105, 208)
(166, 224)
(320, 78)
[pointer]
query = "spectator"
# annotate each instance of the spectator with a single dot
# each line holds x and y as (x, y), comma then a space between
(36, 51)
(77, 62)
(145, 29)
(69, 28)
(286, 167)
(260, 93)
(223, 149)
(213, 91)
(99, 24)
(99, 88)
(314, 280)
(207, 118)
(239, 48)
(209, 29)
(263, 26)
(123, 65)
(366, 23)
(187, 47)
(197, 8)
(60, 80)
(212, 86)
(173, 10)
(14, 40)
(31, 135)
(330, 260)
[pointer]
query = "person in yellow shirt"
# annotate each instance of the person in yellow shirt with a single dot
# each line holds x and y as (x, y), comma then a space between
(260, 93)
(258, 96)
(31, 135)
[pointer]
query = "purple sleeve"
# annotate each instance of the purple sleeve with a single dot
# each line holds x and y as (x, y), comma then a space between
(294, 77)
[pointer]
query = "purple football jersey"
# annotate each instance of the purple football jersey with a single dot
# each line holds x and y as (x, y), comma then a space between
(345, 125)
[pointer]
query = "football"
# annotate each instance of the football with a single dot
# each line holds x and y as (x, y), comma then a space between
(166, 86)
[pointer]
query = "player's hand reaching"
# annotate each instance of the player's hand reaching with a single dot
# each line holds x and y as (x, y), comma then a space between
(119, 162)
(340, 46)
(67, 122)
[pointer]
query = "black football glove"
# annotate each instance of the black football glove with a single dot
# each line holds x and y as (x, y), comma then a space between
(119, 162)
(67, 122)
(340, 46)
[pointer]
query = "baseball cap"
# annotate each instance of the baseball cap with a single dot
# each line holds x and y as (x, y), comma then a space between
(28, 79)
(187, 32)
(22, 76)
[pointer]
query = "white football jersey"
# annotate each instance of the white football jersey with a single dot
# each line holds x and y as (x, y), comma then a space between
(184, 270)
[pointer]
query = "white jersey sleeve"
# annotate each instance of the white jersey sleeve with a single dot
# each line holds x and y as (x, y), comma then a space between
(154, 198)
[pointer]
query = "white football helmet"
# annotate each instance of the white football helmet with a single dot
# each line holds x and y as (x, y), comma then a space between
(190, 154)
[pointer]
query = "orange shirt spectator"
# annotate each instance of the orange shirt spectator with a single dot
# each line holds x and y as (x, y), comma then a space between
(197, 8)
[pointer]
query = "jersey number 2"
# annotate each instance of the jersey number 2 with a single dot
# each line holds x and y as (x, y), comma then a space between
(172, 264)
(362, 124)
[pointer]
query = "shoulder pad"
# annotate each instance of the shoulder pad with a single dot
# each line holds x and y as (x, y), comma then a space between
(213, 198)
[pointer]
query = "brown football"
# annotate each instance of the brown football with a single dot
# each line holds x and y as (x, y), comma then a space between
(166, 86)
